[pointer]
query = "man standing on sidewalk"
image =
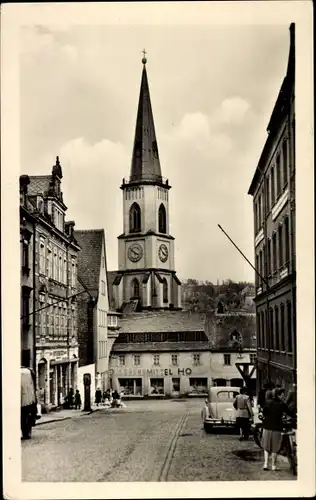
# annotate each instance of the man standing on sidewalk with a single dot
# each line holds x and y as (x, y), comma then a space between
(244, 411)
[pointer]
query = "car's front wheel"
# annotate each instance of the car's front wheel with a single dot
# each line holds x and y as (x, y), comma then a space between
(208, 428)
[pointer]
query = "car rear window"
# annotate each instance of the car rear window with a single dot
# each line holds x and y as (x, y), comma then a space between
(226, 396)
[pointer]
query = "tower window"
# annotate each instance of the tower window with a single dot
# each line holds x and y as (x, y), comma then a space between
(165, 290)
(135, 289)
(162, 219)
(135, 219)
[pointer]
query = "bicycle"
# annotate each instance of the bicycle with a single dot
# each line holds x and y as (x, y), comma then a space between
(288, 445)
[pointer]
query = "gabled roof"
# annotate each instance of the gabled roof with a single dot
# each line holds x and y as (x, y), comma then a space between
(89, 258)
(162, 321)
(145, 159)
(38, 184)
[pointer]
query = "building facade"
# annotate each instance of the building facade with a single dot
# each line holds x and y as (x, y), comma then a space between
(27, 277)
(146, 273)
(54, 308)
(273, 191)
(179, 354)
(97, 326)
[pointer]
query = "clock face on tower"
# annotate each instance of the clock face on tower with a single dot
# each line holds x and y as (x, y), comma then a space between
(135, 252)
(163, 253)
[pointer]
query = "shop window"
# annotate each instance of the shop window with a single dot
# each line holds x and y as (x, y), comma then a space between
(162, 219)
(219, 382)
(198, 385)
(227, 359)
(174, 359)
(236, 382)
(157, 386)
(196, 359)
(130, 386)
(122, 360)
(135, 218)
(137, 360)
(156, 359)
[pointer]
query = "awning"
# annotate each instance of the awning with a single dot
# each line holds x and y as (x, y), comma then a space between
(63, 361)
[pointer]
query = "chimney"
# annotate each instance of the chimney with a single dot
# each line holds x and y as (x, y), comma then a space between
(24, 182)
(69, 228)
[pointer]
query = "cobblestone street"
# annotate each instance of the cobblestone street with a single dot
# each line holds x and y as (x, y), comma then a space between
(146, 441)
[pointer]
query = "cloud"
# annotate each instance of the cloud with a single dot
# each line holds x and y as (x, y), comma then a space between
(234, 110)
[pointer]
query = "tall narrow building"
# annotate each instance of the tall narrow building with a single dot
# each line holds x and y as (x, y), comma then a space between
(146, 278)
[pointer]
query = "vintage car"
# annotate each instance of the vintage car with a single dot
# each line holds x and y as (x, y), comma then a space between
(218, 409)
(29, 410)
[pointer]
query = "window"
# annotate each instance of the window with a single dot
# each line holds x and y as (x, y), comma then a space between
(259, 336)
(112, 320)
(55, 270)
(263, 330)
(61, 269)
(269, 263)
(252, 358)
(289, 327)
(198, 385)
(130, 386)
(260, 266)
(268, 194)
(284, 155)
(25, 255)
(227, 359)
(272, 186)
(282, 328)
(137, 360)
(274, 252)
(135, 289)
(196, 359)
(278, 176)
(135, 219)
(42, 257)
(26, 306)
(271, 329)
(276, 328)
(280, 246)
(103, 287)
(259, 212)
(156, 359)
(256, 217)
(286, 241)
(122, 360)
(157, 386)
(174, 359)
(73, 273)
(219, 382)
(162, 219)
(258, 269)
(165, 291)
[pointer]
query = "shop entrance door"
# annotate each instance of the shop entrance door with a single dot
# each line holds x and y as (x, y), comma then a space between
(175, 390)
(51, 386)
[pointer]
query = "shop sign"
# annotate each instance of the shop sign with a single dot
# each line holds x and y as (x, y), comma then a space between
(162, 372)
(59, 354)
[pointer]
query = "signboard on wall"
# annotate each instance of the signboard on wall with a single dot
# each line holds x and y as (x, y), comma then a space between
(162, 372)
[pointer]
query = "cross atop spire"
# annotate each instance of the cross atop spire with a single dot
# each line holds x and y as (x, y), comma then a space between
(144, 60)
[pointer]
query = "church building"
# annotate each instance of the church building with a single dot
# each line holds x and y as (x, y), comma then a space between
(146, 278)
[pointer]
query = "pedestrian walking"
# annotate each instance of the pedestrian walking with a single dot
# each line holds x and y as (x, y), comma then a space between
(98, 396)
(77, 400)
(244, 413)
(273, 412)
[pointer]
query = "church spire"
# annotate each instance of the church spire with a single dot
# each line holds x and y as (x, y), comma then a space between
(145, 161)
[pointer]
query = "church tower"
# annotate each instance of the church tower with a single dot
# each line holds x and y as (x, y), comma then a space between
(146, 273)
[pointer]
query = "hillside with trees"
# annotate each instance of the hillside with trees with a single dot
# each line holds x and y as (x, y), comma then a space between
(204, 296)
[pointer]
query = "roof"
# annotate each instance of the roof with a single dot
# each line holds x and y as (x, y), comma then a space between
(145, 159)
(38, 184)
(89, 258)
(162, 321)
(161, 346)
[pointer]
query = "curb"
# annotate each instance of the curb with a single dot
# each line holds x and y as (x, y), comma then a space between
(42, 422)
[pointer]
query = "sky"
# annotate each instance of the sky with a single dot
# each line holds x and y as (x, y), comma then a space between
(212, 91)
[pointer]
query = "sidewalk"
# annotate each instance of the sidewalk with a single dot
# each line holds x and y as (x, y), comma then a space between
(58, 415)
